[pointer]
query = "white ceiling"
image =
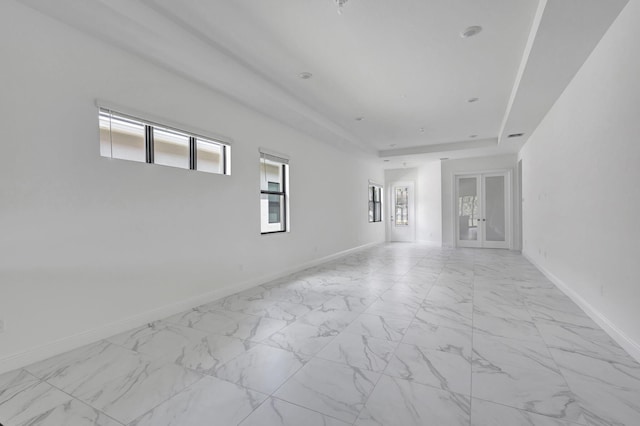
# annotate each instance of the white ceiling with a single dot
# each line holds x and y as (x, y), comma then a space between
(400, 64)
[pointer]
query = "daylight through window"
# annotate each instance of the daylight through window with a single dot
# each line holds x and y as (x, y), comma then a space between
(274, 200)
(129, 138)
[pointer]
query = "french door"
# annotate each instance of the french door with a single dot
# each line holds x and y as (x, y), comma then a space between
(482, 210)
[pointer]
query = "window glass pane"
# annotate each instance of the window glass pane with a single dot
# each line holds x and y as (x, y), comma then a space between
(468, 209)
(270, 172)
(209, 156)
(121, 137)
(170, 148)
(272, 213)
(402, 206)
(274, 204)
(495, 208)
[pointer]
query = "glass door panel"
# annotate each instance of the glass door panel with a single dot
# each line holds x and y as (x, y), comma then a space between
(495, 208)
(468, 209)
(402, 206)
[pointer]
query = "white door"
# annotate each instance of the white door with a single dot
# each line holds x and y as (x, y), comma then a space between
(403, 220)
(482, 211)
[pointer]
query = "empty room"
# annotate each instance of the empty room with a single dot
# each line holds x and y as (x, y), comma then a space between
(319, 213)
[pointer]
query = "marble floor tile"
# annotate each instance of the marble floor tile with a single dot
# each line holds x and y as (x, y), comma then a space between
(115, 380)
(301, 338)
(484, 413)
(510, 328)
(34, 402)
(445, 295)
(417, 289)
(395, 310)
(210, 401)
(359, 351)
(355, 303)
(329, 319)
(15, 378)
(185, 346)
(396, 402)
(275, 412)
(331, 388)
(230, 324)
(396, 294)
(263, 368)
(279, 310)
(72, 413)
(622, 372)
(583, 340)
(503, 304)
(396, 334)
(537, 390)
(455, 315)
(493, 352)
(309, 298)
(28, 400)
(446, 339)
(444, 370)
(604, 404)
(560, 312)
(379, 327)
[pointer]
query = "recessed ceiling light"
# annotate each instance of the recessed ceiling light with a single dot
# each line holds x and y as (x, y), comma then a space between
(472, 100)
(359, 118)
(386, 161)
(471, 31)
(515, 135)
(473, 136)
(305, 75)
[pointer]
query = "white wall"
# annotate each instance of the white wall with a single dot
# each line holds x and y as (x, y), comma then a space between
(468, 165)
(91, 245)
(581, 184)
(428, 199)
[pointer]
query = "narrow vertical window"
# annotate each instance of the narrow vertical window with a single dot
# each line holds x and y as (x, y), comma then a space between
(375, 203)
(274, 182)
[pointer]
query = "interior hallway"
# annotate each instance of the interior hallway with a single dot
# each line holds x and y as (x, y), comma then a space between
(400, 334)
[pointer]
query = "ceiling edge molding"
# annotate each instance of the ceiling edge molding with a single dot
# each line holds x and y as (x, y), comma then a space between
(535, 25)
(440, 147)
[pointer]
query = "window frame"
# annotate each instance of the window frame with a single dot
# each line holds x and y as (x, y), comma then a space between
(284, 192)
(375, 194)
(149, 146)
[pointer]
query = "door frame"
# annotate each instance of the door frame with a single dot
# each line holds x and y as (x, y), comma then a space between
(391, 208)
(509, 203)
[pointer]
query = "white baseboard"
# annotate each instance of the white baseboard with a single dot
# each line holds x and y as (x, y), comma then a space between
(628, 344)
(68, 343)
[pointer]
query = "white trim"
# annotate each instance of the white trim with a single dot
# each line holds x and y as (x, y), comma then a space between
(277, 156)
(628, 344)
(68, 343)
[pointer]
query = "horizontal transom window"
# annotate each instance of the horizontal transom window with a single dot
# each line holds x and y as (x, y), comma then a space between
(130, 138)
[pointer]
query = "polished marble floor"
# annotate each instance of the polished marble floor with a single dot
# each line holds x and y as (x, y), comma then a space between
(397, 335)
